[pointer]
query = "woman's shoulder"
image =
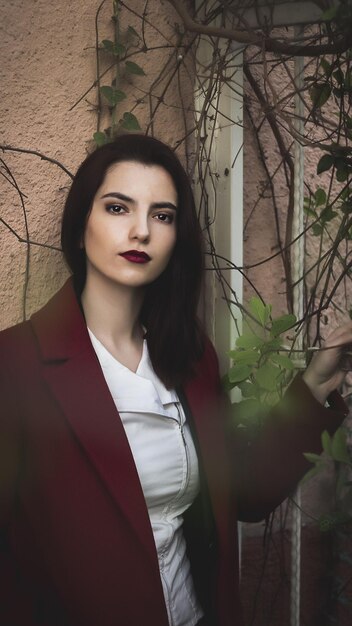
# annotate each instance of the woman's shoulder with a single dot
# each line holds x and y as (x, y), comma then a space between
(21, 338)
(18, 360)
(47, 325)
(15, 341)
(12, 334)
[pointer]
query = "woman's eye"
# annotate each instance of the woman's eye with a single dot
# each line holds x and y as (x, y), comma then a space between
(115, 209)
(167, 218)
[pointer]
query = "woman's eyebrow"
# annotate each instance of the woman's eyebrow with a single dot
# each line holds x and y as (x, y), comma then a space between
(154, 205)
(120, 196)
(163, 205)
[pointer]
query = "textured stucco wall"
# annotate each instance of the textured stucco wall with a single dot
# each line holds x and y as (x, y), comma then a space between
(260, 234)
(45, 66)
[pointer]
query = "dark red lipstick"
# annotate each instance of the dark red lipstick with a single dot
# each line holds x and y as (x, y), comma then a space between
(135, 256)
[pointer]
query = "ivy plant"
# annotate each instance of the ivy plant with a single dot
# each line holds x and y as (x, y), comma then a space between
(261, 362)
(113, 95)
(262, 366)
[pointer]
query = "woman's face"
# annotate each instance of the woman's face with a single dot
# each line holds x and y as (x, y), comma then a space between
(131, 229)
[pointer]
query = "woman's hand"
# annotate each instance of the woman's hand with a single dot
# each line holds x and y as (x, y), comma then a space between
(328, 367)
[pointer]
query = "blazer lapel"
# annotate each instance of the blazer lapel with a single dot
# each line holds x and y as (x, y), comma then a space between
(73, 374)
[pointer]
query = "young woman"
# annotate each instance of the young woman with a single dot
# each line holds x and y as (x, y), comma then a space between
(121, 479)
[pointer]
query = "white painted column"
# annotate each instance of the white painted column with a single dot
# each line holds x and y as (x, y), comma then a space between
(228, 227)
(298, 295)
(221, 134)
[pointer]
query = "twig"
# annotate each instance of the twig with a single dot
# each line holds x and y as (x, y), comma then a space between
(43, 157)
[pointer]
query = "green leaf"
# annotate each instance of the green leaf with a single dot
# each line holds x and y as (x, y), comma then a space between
(238, 373)
(117, 49)
(133, 68)
(339, 77)
(309, 206)
(282, 323)
(108, 45)
(249, 341)
(132, 32)
(100, 138)
(247, 389)
(317, 229)
(320, 94)
(326, 441)
(246, 357)
(339, 450)
(327, 214)
(120, 50)
(342, 171)
(310, 212)
(320, 196)
(345, 194)
(329, 14)
(130, 122)
(266, 376)
(325, 163)
(284, 361)
(271, 346)
(312, 458)
(112, 95)
(312, 472)
(248, 410)
(272, 398)
(226, 385)
(260, 311)
(326, 66)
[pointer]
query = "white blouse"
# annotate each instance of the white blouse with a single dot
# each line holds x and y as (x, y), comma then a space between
(166, 461)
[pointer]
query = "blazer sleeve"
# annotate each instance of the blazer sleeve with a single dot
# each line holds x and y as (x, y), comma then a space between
(267, 465)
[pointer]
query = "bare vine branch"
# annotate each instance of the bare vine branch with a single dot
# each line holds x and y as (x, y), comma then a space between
(43, 157)
(341, 42)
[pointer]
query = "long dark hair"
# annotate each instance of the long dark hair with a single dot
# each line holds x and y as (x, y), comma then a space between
(169, 310)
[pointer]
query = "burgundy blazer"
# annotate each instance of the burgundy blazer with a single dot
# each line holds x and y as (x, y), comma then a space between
(76, 545)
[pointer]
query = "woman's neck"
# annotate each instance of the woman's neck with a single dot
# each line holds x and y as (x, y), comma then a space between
(112, 312)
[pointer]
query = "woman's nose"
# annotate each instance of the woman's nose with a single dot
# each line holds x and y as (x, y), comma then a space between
(140, 228)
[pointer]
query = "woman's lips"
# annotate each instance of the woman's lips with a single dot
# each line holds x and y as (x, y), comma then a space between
(135, 256)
